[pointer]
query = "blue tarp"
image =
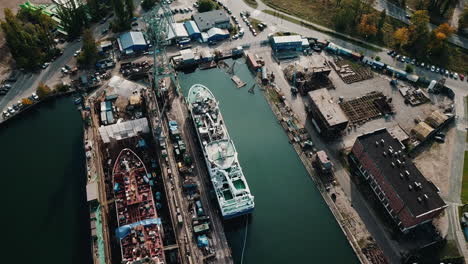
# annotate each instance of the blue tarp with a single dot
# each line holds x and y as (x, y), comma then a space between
(123, 231)
(142, 143)
(202, 241)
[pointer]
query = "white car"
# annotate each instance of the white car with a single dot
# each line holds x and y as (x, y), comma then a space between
(455, 76)
(11, 110)
(45, 65)
(34, 96)
(77, 53)
(432, 68)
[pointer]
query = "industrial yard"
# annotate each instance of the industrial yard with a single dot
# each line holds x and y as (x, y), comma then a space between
(289, 128)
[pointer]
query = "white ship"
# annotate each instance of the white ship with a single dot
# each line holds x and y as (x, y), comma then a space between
(226, 174)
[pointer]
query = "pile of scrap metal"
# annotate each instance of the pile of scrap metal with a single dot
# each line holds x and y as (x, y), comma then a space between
(308, 79)
(135, 71)
(414, 96)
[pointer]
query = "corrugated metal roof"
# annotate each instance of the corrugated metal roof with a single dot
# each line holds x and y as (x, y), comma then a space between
(191, 27)
(217, 31)
(179, 29)
(130, 39)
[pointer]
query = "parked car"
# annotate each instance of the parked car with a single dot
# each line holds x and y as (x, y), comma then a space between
(34, 96)
(462, 77)
(134, 24)
(455, 76)
(432, 68)
(104, 31)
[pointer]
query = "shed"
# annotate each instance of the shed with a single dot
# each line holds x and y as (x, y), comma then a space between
(422, 130)
(92, 192)
(192, 29)
(132, 41)
(436, 119)
(216, 34)
(187, 55)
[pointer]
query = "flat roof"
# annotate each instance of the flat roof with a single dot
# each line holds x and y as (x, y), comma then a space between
(287, 39)
(397, 176)
(330, 110)
(92, 191)
(207, 20)
(129, 39)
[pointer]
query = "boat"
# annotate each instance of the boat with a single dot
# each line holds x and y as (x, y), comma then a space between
(232, 191)
(139, 228)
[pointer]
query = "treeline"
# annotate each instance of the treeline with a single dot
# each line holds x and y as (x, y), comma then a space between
(123, 14)
(417, 39)
(29, 36)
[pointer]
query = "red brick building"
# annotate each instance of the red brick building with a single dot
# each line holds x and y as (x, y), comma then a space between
(407, 196)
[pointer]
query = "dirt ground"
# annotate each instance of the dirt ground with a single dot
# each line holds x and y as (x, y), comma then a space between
(434, 162)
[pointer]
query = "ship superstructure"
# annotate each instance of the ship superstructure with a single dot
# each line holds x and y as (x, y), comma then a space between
(232, 190)
(139, 229)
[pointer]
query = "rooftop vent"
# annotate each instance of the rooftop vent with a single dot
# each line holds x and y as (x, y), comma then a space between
(426, 197)
(384, 154)
(407, 173)
(393, 164)
(376, 143)
(410, 187)
(382, 141)
(419, 199)
(401, 175)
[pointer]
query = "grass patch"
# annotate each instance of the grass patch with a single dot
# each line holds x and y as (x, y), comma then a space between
(330, 33)
(450, 252)
(464, 191)
(251, 3)
(254, 23)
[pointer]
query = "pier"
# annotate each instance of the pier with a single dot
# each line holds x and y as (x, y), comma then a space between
(239, 83)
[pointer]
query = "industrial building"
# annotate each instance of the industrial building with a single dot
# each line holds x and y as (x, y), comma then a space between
(192, 29)
(211, 19)
(407, 196)
(217, 34)
(289, 43)
(131, 42)
(327, 116)
(177, 31)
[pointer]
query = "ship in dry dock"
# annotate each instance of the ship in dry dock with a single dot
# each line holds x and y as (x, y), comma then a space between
(139, 228)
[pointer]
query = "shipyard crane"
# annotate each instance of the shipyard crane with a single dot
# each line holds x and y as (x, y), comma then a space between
(159, 23)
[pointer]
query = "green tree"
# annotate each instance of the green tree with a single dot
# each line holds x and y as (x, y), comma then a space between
(206, 5)
(97, 9)
(43, 90)
(61, 87)
(89, 53)
(29, 38)
(73, 17)
(147, 4)
(419, 32)
(123, 14)
(409, 68)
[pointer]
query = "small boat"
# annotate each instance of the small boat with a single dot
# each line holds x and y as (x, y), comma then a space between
(78, 100)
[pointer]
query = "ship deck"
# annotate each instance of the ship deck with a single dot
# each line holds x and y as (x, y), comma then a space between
(135, 204)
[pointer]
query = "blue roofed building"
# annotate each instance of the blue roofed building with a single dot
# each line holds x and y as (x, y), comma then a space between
(131, 42)
(192, 29)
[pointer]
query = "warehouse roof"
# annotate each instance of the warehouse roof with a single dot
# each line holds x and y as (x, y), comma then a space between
(191, 27)
(180, 31)
(287, 39)
(419, 195)
(207, 20)
(436, 119)
(330, 110)
(422, 130)
(130, 39)
(217, 31)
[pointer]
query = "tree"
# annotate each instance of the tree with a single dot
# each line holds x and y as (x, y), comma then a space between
(97, 9)
(401, 37)
(61, 87)
(29, 38)
(419, 31)
(377, 58)
(147, 4)
(438, 38)
(89, 53)
(367, 26)
(409, 68)
(206, 5)
(73, 17)
(26, 101)
(43, 90)
(123, 14)
(344, 18)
